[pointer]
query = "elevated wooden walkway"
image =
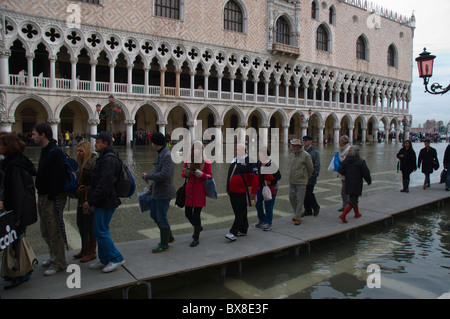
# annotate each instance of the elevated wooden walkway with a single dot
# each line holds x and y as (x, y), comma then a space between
(142, 266)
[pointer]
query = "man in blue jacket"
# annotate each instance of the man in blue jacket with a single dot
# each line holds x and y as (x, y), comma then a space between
(103, 198)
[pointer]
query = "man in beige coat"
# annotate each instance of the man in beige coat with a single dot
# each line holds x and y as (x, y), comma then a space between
(301, 170)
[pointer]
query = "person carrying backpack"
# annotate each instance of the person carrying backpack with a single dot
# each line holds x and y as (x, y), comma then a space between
(103, 198)
(50, 181)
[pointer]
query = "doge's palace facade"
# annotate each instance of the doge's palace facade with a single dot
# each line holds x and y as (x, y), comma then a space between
(325, 68)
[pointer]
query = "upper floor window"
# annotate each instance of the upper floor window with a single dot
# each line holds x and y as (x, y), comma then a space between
(332, 15)
(100, 2)
(361, 48)
(391, 56)
(322, 39)
(233, 18)
(168, 8)
(283, 33)
(314, 10)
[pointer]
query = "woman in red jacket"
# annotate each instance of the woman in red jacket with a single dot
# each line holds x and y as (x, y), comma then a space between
(196, 169)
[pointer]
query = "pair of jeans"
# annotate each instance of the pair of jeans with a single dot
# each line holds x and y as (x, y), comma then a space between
(158, 212)
(266, 216)
(107, 251)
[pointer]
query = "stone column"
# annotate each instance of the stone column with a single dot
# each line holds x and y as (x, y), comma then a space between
(363, 135)
(336, 135)
(177, 82)
(285, 134)
(162, 80)
(129, 124)
(30, 58)
(4, 67)
(52, 60)
(93, 123)
(111, 77)
(320, 135)
(130, 79)
(73, 82)
(93, 75)
(54, 125)
(162, 126)
(146, 71)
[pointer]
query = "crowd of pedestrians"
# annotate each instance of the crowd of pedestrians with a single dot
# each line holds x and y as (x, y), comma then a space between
(250, 182)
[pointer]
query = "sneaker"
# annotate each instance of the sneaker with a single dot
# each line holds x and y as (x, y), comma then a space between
(112, 266)
(97, 265)
(46, 263)
(267, 227)
(50, 272)
(260, 224)
(241, 234)
(297, 222)
(230, 237)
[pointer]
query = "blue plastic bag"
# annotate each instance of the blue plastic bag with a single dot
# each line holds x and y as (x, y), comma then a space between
(337, 163)
(145, 201)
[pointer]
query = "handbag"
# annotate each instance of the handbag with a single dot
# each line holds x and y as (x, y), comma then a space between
(20, 262)
(7, 229)
(181, 195)
(266, 192)
(443, 176)
(435, 164)
(210, 188)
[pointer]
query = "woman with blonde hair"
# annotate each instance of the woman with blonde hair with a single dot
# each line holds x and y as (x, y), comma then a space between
(86, 162)
(196, 169)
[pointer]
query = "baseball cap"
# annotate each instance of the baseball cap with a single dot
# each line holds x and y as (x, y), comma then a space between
(296, 141)
(104, 136)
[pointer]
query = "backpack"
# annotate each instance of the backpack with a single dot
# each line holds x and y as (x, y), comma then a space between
(71, 168)
(125, 184)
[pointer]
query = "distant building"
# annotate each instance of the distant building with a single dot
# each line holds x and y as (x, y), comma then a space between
(328, 67)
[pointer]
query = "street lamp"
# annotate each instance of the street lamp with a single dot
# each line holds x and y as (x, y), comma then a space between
(425, 63)
(113, 112)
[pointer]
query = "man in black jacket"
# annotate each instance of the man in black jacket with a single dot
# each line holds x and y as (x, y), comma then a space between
(429, 162)
(103, 198)
(50, 189)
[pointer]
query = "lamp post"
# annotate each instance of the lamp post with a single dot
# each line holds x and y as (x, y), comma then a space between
(113, 112)
(425, 63)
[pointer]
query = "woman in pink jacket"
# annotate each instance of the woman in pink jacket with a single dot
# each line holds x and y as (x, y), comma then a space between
(196, 169)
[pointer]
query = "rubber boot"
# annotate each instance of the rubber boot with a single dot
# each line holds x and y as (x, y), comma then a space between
(347, 209)
(171, 238)
(196, 236)
(164, 244)
(403, 189)
(356, 210)
(91, 251)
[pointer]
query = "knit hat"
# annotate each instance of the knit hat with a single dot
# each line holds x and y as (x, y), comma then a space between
(158, 139)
